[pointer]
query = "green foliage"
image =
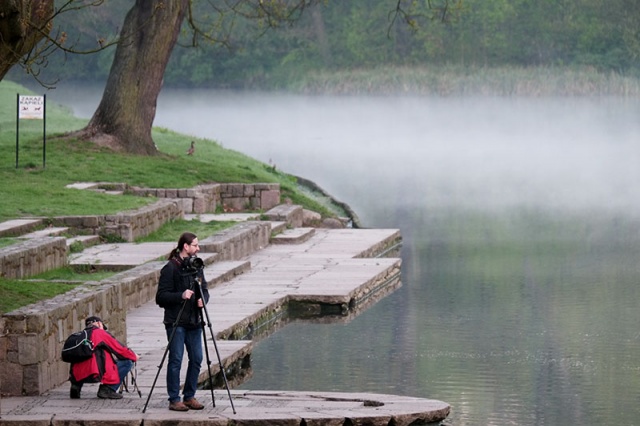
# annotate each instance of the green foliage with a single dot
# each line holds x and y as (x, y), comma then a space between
(6, 242)
(76, 247)
(339, 35)
(17, 293)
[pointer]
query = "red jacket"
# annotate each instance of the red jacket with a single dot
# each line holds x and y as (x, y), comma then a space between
(101, 367)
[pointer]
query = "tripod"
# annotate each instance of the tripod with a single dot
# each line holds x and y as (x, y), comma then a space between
(215, 345)
(204, 336)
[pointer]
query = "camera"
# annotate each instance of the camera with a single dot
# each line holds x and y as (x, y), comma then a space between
(193, 263)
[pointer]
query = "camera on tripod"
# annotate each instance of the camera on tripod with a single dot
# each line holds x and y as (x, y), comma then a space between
(193, 264)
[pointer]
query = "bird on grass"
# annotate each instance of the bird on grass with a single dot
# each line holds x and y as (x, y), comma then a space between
(192, 148)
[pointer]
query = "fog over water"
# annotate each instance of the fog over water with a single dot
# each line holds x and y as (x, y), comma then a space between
(476, 152)
(520, 257)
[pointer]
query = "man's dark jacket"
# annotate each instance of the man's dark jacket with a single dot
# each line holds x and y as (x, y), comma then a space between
(174, 280)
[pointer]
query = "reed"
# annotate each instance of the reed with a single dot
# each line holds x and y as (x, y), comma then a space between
(473, 81)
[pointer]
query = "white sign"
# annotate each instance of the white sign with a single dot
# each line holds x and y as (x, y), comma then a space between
(31, 107)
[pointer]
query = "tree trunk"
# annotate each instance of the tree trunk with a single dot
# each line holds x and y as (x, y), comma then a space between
(321, 35)
(23, 23)
(126, 112)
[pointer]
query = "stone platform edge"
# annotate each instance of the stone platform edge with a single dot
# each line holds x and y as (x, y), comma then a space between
(256, 408)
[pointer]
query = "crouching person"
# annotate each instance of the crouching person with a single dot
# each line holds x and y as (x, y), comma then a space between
(109, 364)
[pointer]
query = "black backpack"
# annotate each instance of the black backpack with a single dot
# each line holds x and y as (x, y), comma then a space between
(78, 347)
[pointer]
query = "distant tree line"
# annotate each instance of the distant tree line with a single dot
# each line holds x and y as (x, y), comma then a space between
(355, 34)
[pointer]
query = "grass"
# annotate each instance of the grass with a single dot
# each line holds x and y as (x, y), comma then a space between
(33, 190)
(18, 293)
(7, 241)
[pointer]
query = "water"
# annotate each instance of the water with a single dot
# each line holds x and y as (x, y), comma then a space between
(520, 256)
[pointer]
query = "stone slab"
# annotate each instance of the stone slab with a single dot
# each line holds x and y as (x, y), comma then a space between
(125, 255)
(259, 408)
(223, 217)
(293, 236)
(82, 185)
(46, 232)
(16, 227)
(85, 240)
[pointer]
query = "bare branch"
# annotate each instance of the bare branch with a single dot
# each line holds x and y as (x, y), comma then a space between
(445, 11)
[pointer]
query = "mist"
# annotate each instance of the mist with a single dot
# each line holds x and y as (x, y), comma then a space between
(482, 153)
(476, 152)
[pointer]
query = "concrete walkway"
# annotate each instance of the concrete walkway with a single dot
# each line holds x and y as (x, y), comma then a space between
(309, 267)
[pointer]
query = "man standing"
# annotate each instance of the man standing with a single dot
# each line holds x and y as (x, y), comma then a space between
(182, 292)
(109, 364)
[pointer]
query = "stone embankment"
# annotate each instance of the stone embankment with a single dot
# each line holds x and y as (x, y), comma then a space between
(261, 274)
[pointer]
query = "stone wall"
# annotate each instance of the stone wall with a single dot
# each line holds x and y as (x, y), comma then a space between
(32, 337)
(238, 241)
(33, 256)
(200, 199)
(244, 196)
(228, 196)
(127, 225)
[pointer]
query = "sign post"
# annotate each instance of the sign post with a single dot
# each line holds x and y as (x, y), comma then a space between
(32, 108)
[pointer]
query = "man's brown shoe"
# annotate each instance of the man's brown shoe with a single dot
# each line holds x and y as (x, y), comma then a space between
(178, 406)
(193, 404)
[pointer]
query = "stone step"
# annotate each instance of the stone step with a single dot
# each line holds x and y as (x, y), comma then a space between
(16, 227)
(293, 236)
(104, 187)
(290, 213)
(222, 217)
(223, 271)
(277, 227)
(123, 256)
(47, 232)
(85, 240)
(238, 241)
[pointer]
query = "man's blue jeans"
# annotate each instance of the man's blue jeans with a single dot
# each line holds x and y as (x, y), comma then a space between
(191, 339)
(124, 366)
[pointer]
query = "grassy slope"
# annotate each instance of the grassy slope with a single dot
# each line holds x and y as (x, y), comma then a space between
(31, 190)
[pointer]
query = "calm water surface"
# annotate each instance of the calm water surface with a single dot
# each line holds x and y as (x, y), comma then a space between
(521, 246)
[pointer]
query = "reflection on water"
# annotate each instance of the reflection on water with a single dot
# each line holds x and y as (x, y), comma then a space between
(520, 255)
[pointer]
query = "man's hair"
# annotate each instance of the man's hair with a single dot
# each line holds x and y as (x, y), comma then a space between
(91, 320)
(185, 238)
(94, 319)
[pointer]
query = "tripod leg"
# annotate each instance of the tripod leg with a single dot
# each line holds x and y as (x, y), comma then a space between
(215, 345)
(164, 356)
(224, 374)
(206, 351)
